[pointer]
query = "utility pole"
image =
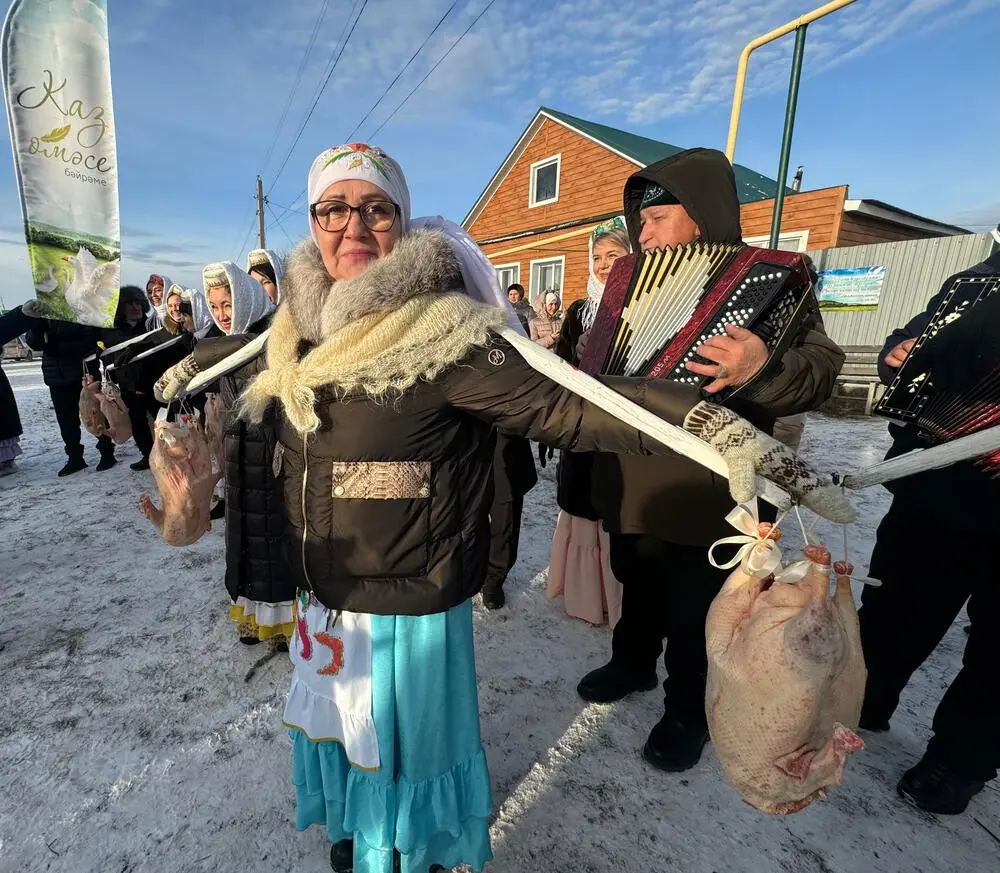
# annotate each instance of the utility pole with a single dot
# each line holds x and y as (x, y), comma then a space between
(260, 214)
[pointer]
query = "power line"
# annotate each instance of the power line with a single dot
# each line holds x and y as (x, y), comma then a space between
(371, 136)
(279, 224)
(287, 209)
(243, 244)
(406, 66)
(291, 95)
(295, 85)
(319, 94)
(375, 132)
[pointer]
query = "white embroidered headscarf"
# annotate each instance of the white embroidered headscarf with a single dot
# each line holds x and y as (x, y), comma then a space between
(363, 162)
(372, 164)
(616, 230)
(260, 257)
(200, 314)
(159, 313)
(250, 300)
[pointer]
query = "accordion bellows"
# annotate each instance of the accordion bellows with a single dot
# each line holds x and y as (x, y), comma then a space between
(659, 307)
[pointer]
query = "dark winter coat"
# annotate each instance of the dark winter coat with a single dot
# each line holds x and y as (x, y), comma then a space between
(255, 514)
(139, 377)
(13, 323)
(388, 501)
(64, 346)
(672, 498)
(574, 474)
(514, 473)
(963, 495)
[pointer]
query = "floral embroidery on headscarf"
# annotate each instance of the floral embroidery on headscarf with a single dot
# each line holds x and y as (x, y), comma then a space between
(360, 153)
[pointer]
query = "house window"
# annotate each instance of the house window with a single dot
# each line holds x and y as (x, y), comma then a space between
(507, 275)
(790, 241)
(544, 181)
(546, 275)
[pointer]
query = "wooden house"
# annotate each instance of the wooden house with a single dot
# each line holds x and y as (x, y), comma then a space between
(565, 174)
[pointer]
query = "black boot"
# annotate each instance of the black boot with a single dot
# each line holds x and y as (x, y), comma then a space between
(73, 465)
(610, 683)
(493, 596)
(342, 856)
(108, 460)
(141, 464)
(933, 787)
(218, 511)
(674, 746)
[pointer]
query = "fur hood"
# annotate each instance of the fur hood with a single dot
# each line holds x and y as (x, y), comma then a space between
(405, 319)
(421, 263)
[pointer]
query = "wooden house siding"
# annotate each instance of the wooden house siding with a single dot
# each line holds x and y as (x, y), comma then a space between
(591, 181)
(575, 251)
(818, 212)
(858, 230)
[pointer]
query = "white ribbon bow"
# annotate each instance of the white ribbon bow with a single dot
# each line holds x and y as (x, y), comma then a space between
(757, 556)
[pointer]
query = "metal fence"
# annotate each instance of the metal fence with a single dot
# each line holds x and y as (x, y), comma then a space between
(914, 272)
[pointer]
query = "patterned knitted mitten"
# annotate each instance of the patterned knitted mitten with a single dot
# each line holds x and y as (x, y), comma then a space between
(175, 379)
(750, 452)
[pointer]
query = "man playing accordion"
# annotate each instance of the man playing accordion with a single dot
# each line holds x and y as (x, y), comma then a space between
(662, 513)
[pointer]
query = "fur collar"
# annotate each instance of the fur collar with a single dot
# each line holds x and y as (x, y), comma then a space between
(403, 321)
(421, 263)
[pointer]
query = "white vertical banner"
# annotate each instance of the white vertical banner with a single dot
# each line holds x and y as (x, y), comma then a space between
(57, 84)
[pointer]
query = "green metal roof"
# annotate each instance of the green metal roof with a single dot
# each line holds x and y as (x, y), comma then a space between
(750, 186)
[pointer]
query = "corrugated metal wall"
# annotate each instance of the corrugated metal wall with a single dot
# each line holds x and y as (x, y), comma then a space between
(914, 272)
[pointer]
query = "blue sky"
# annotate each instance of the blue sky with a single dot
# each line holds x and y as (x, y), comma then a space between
(898, 100)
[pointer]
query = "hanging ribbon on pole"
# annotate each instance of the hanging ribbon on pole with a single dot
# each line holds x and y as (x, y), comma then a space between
(57, 85)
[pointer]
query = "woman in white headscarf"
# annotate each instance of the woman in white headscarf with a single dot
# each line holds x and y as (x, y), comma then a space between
(385, 361)
(267, 267)
(580, 564)
(545, 327)
(257, 577)
(196, 318)
(156, 290)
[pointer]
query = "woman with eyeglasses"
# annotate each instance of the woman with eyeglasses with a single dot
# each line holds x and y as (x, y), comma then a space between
(390, 375)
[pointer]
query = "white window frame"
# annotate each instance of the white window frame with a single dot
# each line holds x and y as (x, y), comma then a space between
(801, 238)
(516, 267)
(532, 200)
(533, 292)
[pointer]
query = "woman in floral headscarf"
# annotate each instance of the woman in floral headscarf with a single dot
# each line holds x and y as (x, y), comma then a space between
(386, 364)
(580, 564)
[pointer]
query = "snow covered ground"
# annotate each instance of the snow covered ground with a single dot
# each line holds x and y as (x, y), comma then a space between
(130, 742)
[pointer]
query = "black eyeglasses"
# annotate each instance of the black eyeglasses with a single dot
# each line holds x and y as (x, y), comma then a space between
(335, 215)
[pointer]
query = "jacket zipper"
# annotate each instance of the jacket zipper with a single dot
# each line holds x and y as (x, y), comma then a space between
(305, 523)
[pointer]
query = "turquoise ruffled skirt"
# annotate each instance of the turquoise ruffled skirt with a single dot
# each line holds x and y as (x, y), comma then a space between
(430, 800)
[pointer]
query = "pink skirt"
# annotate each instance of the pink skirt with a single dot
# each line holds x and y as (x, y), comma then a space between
(580, 570)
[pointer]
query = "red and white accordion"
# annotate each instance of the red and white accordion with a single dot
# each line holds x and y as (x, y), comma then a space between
(942, 416)
(659, 307)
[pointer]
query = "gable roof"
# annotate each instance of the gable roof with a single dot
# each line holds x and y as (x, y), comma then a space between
(639, 150)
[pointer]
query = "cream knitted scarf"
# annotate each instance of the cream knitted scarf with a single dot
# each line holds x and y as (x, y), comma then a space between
(412, 334)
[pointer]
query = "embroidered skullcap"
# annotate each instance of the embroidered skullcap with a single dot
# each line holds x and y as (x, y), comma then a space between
(657, 195)
(363, 162)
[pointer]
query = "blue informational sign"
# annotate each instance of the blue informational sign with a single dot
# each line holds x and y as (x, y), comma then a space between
(850, 288)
